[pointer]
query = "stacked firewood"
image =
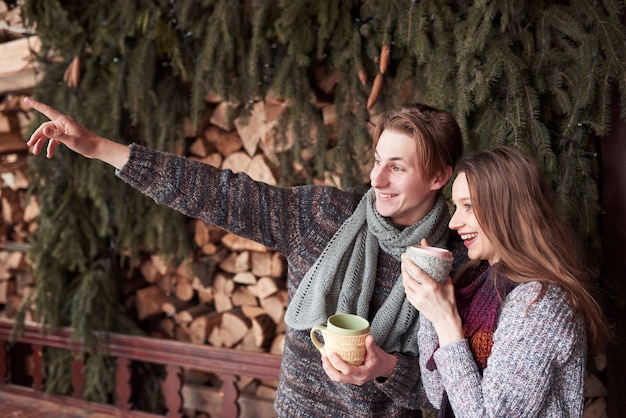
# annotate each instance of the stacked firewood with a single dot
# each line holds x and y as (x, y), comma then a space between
(19, 213)
(232, 294)
(18, 75)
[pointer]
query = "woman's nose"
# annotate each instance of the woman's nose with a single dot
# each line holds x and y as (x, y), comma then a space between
(454, 223)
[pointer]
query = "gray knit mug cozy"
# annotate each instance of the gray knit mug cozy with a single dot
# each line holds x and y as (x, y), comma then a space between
(434, 261)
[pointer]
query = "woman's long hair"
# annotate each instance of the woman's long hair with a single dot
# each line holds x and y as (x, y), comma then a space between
(514, 205)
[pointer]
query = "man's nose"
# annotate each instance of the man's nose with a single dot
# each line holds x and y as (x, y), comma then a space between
(377, 177)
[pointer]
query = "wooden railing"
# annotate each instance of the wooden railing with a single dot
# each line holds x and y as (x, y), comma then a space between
(175, 356)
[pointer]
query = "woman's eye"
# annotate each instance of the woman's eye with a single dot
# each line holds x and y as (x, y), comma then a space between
(468, 207)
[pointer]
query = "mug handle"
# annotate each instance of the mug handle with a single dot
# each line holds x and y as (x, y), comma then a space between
(314, 339)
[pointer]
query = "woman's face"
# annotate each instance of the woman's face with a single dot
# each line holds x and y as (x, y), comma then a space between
(401, 192)
(464, 221)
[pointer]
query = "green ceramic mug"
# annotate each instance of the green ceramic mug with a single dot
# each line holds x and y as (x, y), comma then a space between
(343, 334)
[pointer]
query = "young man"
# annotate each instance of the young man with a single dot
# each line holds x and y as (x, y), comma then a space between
(343, 248)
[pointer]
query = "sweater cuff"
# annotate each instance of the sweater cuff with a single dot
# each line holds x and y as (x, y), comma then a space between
(455, 361)
(138, 159)
(402, 381)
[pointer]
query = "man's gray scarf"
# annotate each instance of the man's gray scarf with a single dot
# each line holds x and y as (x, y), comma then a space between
(343, 277)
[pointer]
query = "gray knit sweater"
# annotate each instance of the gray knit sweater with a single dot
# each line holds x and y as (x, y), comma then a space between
(536, 367)
(298, 222)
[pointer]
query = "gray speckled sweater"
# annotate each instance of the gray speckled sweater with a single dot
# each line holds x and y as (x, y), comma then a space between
(298, 222)
(536, 367)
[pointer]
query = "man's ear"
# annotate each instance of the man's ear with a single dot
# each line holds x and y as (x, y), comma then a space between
(441, 179)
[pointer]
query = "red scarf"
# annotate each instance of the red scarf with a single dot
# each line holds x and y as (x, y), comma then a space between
(479, 294)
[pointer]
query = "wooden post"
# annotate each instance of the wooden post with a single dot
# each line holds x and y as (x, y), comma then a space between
(613, 175)
(78, 382)
(229, 393)
(172, 387)
(37, 367)
(4, 370)
(123, 389)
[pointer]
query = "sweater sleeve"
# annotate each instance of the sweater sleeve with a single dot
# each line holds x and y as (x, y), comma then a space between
(276, 217)
(536, 364)
(427, 341)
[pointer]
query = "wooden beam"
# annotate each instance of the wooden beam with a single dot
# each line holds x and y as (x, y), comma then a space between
(159, 351)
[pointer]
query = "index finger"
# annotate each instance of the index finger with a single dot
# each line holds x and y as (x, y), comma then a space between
(48, 111)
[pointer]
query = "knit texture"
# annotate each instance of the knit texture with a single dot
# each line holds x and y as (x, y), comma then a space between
(298, 222)
(536, 367)
(343, 277)
(478, 297)
(436, 267)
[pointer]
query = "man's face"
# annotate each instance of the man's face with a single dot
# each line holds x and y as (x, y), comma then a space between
(402, 194)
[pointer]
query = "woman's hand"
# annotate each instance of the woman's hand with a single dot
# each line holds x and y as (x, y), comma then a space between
(378, 363)
(434, 300)
(63, 129)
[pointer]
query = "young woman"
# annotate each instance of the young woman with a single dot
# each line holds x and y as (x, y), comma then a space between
(510, 338)
(343, 248)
